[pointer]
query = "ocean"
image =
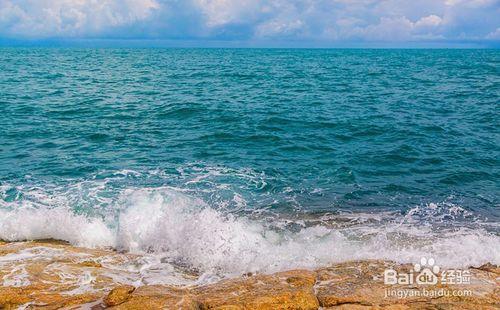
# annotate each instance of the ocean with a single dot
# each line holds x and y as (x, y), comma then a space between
(227, 161)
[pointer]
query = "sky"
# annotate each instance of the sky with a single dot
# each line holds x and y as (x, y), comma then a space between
(253, 22)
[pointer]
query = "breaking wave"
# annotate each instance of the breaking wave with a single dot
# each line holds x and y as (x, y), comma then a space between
(182, 230)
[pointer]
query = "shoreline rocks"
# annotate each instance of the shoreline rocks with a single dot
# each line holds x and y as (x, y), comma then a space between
(54, 275)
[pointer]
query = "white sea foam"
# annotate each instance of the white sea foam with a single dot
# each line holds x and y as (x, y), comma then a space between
(177, 230)
(57, 223)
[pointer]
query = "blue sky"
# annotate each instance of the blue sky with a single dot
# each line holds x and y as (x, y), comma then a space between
(253, 22)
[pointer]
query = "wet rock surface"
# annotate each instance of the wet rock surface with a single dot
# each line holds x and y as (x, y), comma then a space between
(55, 275)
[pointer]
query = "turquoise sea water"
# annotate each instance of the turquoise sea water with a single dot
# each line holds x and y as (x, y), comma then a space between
(224, 160)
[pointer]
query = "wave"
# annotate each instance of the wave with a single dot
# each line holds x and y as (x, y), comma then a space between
(180, 230)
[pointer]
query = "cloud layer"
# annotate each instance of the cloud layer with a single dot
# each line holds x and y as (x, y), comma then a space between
(295, 20)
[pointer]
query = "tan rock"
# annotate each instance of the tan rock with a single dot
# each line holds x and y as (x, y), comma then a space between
(58, 301)
(359, 285)
(351, 283)
(40, 297)
(90, 263)
(489, 268)
(118, 295)
(284, 290)
(11, 297)
(159, 297)
(74, 278)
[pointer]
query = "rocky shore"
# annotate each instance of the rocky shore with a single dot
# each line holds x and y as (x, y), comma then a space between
(54, 275)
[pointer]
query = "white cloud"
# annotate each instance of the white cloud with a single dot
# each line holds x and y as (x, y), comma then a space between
(279, 28)
(429, 21)
(46, 18)
(471, 3)
(494, 35)
(388, 29)
(220, 12)
(327, 20)
(348, 22)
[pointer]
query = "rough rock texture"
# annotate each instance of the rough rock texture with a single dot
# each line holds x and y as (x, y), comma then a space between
(284, 290)
(118, 295)
(160, 297)
(359, 285)
(54, 275)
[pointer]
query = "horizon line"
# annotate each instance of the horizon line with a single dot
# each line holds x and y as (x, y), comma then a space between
(243, 44)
